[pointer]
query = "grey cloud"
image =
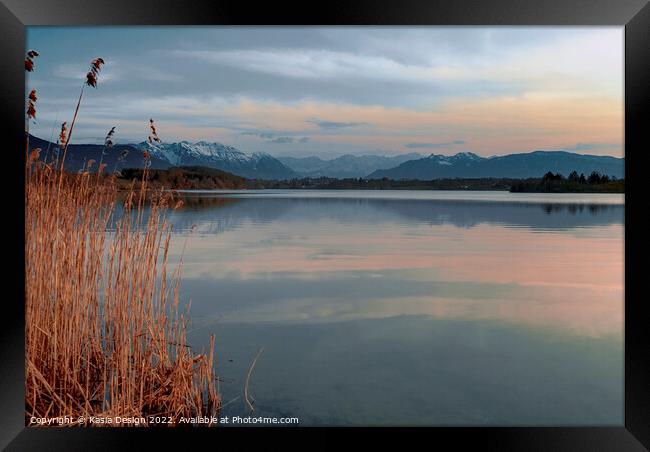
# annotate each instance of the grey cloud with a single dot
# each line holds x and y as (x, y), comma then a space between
(274, 138)
(337, 125)
(287, 140)
(265, 135)
(282, 140)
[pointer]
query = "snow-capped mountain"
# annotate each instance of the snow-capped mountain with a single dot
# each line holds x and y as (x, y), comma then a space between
(165, 155)
(462, 158)
(186, 153)
(216, 155)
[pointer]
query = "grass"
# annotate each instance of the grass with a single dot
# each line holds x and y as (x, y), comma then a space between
(104, 333)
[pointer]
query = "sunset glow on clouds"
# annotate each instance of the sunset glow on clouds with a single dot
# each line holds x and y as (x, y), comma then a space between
(332, 90)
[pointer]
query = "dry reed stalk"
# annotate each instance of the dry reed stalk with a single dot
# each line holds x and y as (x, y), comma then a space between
(31, 100)
(248, 377)
(104, 333)
(108, 144)
(91, 80)
(29, 115)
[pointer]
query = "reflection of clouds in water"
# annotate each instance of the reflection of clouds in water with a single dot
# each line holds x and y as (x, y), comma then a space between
(484, 253)
(337, 297)
(319, 260)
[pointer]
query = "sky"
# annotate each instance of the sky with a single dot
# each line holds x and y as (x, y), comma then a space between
(329, 91)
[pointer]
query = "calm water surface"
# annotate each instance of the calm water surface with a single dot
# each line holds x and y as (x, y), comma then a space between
(410, 307)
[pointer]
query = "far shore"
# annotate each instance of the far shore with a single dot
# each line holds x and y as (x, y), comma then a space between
(201, 178)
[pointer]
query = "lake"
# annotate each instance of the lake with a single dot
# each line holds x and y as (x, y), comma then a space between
(409, 307)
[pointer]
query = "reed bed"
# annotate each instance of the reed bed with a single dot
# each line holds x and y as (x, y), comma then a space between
(105, 336)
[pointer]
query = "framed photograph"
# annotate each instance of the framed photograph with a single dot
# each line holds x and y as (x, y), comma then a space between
(355, 214)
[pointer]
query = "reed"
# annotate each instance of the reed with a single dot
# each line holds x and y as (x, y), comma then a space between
(108, 144)
(31, 99)
(91, 80)
(105, 335)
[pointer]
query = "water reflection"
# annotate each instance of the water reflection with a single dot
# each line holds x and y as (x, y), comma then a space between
(411, 311)
(200, 210)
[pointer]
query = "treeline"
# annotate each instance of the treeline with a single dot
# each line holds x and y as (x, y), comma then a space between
(574, 183)
(202, 178)
(185, 177)
(328, 183)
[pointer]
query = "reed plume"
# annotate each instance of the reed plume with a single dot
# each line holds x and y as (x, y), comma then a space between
(29, 60)
(63, 139)
(31, 114)
(34, 155)
(95, 67)
(153, 136)
(108, 143)
(120, 159)
(91, 80)
(31, 104)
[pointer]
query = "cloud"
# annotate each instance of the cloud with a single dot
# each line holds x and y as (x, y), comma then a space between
(574, 62)
(488, 126)
(433, 145)
(337, 125)
(114, 71)
(304, 63)
(265, 135)
(288, 140)
(282, 140)
(275, 139)
(78, 72)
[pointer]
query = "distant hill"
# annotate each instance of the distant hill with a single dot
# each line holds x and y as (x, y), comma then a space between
(167, 155)
(345, 166)
(526, 165)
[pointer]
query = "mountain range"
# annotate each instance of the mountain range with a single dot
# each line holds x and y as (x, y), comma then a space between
(264, 166)
(257, 165)
(525, 165)
(345, 166)
(167, 155)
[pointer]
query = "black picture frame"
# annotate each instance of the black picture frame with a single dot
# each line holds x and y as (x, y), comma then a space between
(634, 15)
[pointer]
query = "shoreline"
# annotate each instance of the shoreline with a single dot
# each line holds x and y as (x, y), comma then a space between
(419, 189)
